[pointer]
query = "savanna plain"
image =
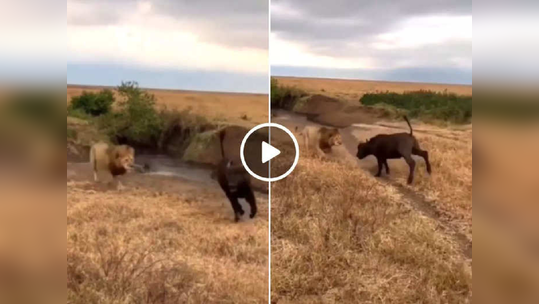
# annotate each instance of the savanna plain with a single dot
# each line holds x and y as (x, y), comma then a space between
(168, 236)
(341, 235)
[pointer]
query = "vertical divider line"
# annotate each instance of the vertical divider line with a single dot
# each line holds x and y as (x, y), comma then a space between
(269, 163)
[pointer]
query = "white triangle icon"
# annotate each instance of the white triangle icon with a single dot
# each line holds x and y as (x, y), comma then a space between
(268, 152)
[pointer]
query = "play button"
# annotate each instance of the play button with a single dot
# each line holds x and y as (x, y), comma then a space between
(268, 152)
(256, 153)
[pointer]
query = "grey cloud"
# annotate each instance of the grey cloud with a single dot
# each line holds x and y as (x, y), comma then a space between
(98, 17)
(241, 23)
(378, 8)
(330, 20)
(238, 23)
(433, 55)
(98, 12)
(347, 29)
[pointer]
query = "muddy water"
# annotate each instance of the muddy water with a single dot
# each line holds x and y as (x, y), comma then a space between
(159, 165)
(162, 165)
(165, 174)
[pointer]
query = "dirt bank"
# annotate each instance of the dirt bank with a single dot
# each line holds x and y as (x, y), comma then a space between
(182, 143)
(205, 149)
(80, 136)
(197, 150)
(333, 112)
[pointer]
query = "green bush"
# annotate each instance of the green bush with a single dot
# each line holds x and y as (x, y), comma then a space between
(283, 97)
(94, 104)
(426, 104)
(138, 121)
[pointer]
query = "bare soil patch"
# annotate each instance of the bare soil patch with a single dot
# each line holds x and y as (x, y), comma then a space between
(333, 112)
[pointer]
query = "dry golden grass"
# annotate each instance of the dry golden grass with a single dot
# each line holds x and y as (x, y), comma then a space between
(145, 246)
(353, 90)
(339, 235)
(449, 189)
(447, 193)
(233, 108)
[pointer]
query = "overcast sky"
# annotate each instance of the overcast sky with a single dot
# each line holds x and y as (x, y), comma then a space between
(405, 40)
(222, 45)
(201, 45)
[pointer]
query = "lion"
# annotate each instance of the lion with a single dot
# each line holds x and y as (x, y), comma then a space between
(117, 160)
(321, 139)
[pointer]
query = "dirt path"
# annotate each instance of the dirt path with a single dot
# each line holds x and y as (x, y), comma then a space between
(352, 135)
(165, 178)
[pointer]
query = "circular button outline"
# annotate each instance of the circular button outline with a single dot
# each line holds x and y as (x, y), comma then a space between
(269, 125)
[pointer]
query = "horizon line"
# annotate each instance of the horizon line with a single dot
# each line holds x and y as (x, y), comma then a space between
(374, 80)
(90, 86)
